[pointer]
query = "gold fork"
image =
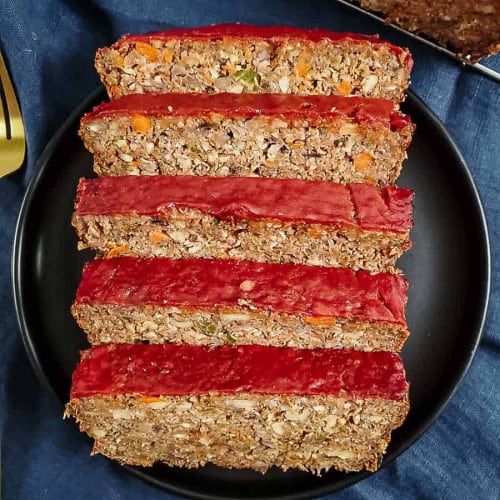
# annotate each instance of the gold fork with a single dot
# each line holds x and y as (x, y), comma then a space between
(12, 140)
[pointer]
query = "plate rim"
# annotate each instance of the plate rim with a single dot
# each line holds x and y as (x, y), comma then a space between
(17, 272)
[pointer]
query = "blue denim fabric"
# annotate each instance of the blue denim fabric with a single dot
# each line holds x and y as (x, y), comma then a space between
(49, 46)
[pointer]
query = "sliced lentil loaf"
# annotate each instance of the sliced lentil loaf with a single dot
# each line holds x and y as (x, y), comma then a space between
(239, 406)
(258, 219)
(240, 58)
(272, 135)
(213, 302)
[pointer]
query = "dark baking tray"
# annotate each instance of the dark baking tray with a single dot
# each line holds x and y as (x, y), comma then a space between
(448, 269)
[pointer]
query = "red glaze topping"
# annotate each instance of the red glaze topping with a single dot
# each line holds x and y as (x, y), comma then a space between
(314, 108)
(251, 32)
(360, 206)
(175, 370)
(215, 285)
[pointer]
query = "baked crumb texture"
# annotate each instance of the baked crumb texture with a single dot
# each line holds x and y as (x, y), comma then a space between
(469, 29)
(312, 433)
(105, 324)
(360, 68)
(338, 150)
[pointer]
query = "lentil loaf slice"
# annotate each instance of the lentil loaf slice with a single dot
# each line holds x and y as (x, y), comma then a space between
(240, 58)
(214, 302)
(272, 135)
(258, 219)
(239, 406)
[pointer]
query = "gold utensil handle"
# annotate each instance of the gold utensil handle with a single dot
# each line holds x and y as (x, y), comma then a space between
(12, 137)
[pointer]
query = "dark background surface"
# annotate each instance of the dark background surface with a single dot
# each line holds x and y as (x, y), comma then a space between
(49, 48)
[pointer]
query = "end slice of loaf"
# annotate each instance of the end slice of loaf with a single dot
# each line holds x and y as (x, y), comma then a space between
(239, 407)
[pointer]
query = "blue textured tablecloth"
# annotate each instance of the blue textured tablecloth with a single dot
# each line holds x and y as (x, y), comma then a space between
(49, 46)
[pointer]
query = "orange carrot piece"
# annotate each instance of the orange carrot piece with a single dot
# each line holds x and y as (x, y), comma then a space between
(116, 251)
(363, 161)
(141, 124)
(157, 237)
(147, 50)
(303, 68)
(319, 320)
(344, 88)
(168, 55)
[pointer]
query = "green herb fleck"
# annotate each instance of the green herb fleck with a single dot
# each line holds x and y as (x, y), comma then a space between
(206, 327)
(230, 338)
(248, 77)
(195, 149)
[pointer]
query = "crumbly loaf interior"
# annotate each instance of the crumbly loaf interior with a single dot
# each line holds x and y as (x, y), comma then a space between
(185, 233)
(292, 66)
(253, 431)
(339, 150)
(105, 324)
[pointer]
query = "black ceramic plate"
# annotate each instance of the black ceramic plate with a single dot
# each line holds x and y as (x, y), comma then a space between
(448, 271)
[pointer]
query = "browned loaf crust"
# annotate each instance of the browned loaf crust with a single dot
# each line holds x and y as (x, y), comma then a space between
(470, 29)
